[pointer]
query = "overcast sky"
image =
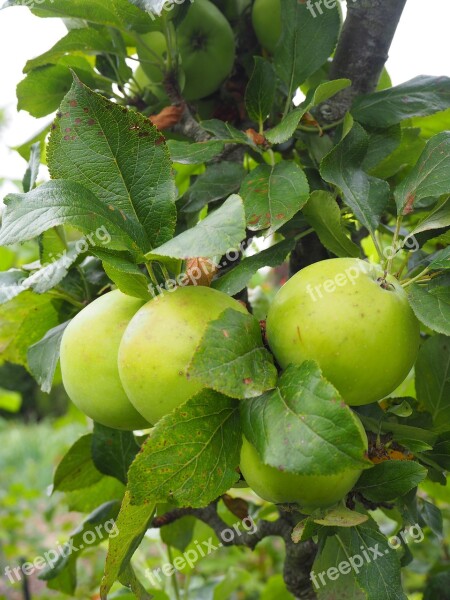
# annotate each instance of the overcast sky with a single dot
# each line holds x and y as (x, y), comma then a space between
(421, 46)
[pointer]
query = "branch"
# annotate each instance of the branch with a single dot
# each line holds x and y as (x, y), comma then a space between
(362, 51)
(299, 557)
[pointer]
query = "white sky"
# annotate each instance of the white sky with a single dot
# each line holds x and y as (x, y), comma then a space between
(421, 46)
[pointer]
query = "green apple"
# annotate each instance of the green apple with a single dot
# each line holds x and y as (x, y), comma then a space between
(360, 330)
(309, 491)
(89, 369)
(206, 47)
(266, 19)
(159, 343)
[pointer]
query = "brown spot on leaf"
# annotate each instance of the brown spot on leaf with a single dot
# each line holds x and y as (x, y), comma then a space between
(247, 380)
(73, 103)
(225, 333)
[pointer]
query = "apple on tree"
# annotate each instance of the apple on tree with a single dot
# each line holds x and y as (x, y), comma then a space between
(206, 47)
(353, 320)
(266, 19)
(159, 343)
(309, 491)
(89, 369)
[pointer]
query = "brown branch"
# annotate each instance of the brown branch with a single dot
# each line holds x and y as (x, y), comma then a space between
(299, 557)
(362, 51)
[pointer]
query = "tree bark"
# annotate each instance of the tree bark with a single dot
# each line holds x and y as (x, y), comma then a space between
(361, 52)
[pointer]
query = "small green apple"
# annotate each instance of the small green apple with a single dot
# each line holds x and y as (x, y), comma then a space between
(159, 343)
(339, 313)
(309, 491)
(266, 19)
(89, 350)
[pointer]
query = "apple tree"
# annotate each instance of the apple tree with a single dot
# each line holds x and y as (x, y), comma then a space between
(200, 154)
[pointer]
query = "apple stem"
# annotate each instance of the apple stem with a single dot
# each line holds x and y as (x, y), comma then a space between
(394, 244)
(416, 278)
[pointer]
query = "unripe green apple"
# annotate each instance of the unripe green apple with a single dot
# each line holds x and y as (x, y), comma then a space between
(266, 19)
(159, 343)
(89, 350)
(309, 491)
(361, 331)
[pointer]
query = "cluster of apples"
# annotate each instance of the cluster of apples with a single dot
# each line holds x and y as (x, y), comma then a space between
(125, 362)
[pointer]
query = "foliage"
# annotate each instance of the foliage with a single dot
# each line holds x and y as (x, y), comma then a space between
(142, 185)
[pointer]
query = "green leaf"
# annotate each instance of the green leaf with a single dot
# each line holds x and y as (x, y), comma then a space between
(188, 153)
(437, 218)
(221, 231)
(131, 524)
(41, 280)
(382, 143)
(404, 156)
(113, 451)
(119, 156)
(441, 260)
(178, 534)
(430, 177)
(432, 380)
(361, 578)
(323, 213)
(260, 91)
(225, 131)
(86, 40)
(129, 579)
(87, 499)
(231, 357)
(43, 357)
(390, 479)
(367, 196)
(114, 13)
(421, 96)
(288, 124)
(25, 320)
(10, 401)
(432, 517)
(431, 303)
(273, 194)
(219, 181)
(191, 455)
(126, 274)
(42, 90)
(77, 469)
(65, 202)
(297, 54)
(61, 574)
(32, 172)
(237, 279)
(290, 426)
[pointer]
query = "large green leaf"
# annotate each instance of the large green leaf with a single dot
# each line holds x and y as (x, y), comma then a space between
(260, 91)
(24, 321)
(77, 470)
(113, 13)
(431, 303)
(297, 54)
(362, 556)
(119, 156)
(221, 231)
(323, 213)
(367, 196)
(86, 40)
(290, 426)
(432, 380)
(66, 202)
(423, 95)
(390, 479)
(188, 153)
(273, 194)
(430, 177)
(131, 525)
(191, 455)
(231, 357)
